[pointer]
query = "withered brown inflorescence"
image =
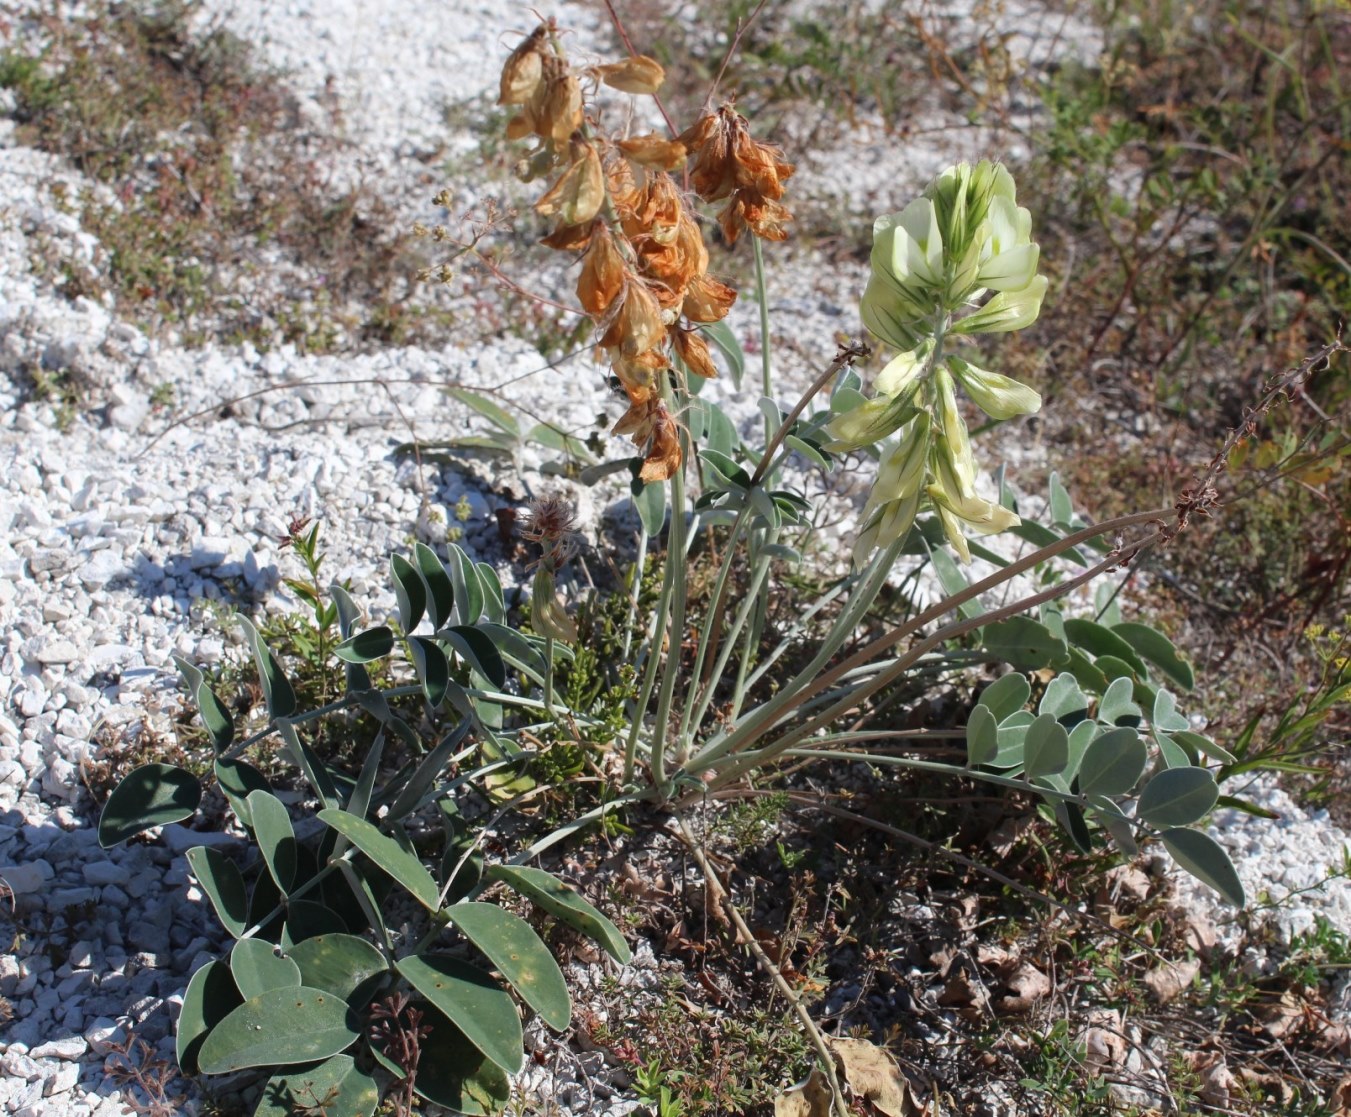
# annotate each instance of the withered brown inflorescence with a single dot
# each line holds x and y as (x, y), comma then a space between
(644, 275)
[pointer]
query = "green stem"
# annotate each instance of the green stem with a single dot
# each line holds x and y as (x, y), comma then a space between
(549, 676)
(765, 716)
(766, 365)
(639, 565)
(810, 682)
(756, 598)
(671, 669)
(695, 711)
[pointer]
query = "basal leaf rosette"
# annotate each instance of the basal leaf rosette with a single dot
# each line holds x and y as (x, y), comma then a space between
(957, 262)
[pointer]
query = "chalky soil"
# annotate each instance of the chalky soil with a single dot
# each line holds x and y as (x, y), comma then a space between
(115, 551)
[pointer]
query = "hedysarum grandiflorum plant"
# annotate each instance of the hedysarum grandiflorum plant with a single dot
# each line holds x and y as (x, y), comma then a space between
(957, 262)
(332, 999)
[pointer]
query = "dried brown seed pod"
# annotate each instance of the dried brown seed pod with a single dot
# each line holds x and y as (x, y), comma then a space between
(523, 70)
(693, 351)
(639, 74)
(707, 299)
(602, 276)
(579, 192)
(654, 151)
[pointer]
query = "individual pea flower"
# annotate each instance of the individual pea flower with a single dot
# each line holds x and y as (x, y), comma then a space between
(547, 615)
(895, 499)
(960, 510)
(552, 525)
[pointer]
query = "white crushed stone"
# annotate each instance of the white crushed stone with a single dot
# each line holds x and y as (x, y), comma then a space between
(114, 552)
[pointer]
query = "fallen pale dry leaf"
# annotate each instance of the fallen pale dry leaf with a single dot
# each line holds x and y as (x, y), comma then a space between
(868, 1075)
(1341, 1098)
(868, 1071)
(966, 994)
(1105, 1048)
(1127, 882)
(1283, 1018)
(1216, 1080)
(1200, 934)
(807, 1099)
(1166, 982)
(1027, 986)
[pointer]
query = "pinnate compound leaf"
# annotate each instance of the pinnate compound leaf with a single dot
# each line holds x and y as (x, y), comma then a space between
(151, 795)
(1046, 749)
(391, 857)
(344, 1089)
(312, 768)
(220, 727)
(472, 1001)
(280, 1027)
(721, 335)
(257, 967)
(362, 647)
(564, 904)
(982, 736)
(428, 769)
(1206, 860)
(307, 918)
(277, 690)
(410, 591)
(494, 604)
(1081, 736)
(953, 581)
(490, 410)
(1203, 745)
(1006, 695)
(1062, 509)
(452, 1072)
(650, 501)
(464, 580)
(276, 838)
(1086, 673)
(1113, 763)
(1177, 797)
(211, 996)
(223, 884)
(1159, 650)
(518, 954)
(1172, 754)
(340, 963)
(1024, 643)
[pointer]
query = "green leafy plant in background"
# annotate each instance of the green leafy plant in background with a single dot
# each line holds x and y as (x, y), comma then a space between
(364, 935)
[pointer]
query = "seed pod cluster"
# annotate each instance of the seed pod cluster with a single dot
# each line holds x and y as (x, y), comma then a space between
(644, 265)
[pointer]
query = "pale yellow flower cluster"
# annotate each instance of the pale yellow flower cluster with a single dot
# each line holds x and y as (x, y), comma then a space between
(957, 261)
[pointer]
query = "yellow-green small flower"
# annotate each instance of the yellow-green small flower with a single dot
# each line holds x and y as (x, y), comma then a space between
(547, 615)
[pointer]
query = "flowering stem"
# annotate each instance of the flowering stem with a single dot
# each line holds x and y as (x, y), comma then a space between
(549, 676)
(675, 550)
(766, 374)
(639, 565)
(709, 632)
(695, 712)
(764, 717)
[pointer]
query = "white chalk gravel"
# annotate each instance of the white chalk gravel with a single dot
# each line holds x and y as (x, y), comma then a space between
(113, 547)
